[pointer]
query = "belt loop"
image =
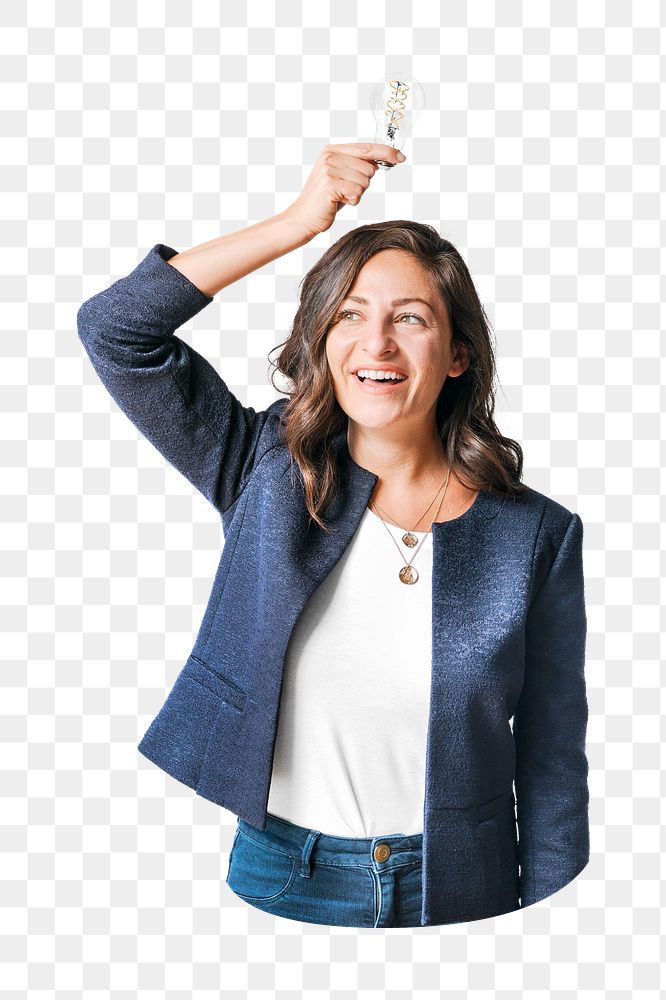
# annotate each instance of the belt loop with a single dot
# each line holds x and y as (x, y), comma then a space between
(307, 851)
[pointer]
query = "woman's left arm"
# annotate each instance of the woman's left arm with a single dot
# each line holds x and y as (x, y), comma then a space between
(549, 729)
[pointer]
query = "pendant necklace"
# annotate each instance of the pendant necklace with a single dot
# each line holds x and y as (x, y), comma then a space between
(408, 573)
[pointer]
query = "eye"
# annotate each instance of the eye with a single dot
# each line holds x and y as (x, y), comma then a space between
(352, 312)
(412, 314)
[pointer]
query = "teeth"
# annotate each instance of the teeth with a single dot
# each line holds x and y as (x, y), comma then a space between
(381, 375)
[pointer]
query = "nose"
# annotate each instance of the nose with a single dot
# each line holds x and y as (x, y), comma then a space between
(378, 338)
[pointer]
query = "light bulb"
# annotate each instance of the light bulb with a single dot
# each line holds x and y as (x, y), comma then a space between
(396, 102)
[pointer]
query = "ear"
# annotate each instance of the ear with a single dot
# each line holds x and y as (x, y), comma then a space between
(461, 359)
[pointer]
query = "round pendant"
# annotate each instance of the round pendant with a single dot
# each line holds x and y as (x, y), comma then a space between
(409, 539)
(408, 574)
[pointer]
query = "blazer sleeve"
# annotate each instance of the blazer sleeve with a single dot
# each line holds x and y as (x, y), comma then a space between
(173, 395)
(549, 730)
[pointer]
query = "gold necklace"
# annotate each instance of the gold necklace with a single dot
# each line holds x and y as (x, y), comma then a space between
(408, 573)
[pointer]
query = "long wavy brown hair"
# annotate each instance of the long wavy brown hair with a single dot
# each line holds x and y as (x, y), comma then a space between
(474, 448)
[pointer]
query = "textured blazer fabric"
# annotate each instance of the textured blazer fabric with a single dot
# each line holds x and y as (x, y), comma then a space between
(505, 814)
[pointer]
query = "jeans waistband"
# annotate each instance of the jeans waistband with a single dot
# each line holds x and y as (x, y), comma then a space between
(306, 844)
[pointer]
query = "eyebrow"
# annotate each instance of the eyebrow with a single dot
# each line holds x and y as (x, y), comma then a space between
(396, 302)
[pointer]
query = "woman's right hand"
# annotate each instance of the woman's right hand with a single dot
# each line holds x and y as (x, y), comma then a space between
(340, 177)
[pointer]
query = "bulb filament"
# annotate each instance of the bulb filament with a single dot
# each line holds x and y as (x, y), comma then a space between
(395, 106)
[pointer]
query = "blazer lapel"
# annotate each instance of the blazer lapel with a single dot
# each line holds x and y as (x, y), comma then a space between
(320, 550)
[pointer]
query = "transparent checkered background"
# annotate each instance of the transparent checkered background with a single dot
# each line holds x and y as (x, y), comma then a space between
(538, 156)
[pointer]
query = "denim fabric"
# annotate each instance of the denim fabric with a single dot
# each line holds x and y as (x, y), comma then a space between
(505, 818)
(302, 874)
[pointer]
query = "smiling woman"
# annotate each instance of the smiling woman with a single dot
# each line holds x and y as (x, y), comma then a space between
(351, 707)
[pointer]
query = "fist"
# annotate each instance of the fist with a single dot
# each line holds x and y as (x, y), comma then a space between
(341, 176)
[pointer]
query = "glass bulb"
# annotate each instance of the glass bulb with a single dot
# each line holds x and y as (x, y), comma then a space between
(396, 102)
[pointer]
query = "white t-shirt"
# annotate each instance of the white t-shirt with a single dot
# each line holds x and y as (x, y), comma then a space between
(351, 742)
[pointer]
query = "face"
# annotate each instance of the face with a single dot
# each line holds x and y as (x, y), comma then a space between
(389, 330)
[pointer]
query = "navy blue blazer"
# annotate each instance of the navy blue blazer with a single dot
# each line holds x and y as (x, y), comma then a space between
(508, 621)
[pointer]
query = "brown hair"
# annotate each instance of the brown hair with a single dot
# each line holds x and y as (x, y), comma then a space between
(474, 448)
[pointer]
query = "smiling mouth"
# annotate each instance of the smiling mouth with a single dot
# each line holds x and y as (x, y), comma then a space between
(378, 381)
(379, 386)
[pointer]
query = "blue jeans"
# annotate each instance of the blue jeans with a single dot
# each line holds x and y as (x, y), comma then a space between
(291, 871)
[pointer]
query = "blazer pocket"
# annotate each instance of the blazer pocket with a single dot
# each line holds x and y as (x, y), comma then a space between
(178, 738)
(494, 806)
(215, 682)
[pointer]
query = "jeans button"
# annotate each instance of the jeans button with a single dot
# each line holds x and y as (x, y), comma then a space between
(382, 852)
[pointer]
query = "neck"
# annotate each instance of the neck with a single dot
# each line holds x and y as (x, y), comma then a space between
(409, 478)
(405, 464)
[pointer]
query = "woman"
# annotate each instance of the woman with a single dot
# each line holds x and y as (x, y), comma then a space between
(389, 595)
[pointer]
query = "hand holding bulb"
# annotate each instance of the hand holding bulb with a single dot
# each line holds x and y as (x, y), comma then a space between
(340, 176)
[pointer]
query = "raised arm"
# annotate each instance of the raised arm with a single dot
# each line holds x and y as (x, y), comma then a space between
(173, 395)
(175, 398)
